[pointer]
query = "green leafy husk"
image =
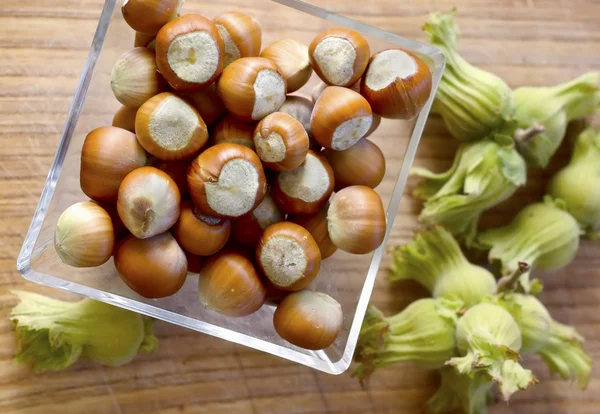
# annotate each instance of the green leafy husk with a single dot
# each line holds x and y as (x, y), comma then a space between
(435, 260)
(472, 102)
(469, 395)
(542, 235)
(489, 340)
(53, 334)
(578, 184)
(559, 345)
(484, 174)
(422, 334)
(552, 108)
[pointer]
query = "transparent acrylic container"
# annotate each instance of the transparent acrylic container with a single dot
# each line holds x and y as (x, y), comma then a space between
(347, 278)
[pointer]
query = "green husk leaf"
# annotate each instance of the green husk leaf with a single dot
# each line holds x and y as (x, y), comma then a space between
(578, 184)
(422, 334)
(472, 102)
(559, 345)
(513, 377)
(553, 108)
(488, 340)
(484, 174)
(435, 260)
(542, 235)
(53, 334)
(470, 395)
(565, 356)
(36, 347)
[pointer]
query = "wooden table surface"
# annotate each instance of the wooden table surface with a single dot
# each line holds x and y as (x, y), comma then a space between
(43, 46)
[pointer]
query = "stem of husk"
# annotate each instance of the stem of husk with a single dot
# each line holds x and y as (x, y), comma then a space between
(510, 282)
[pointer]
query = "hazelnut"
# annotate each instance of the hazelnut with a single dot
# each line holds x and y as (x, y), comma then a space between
(288, 256)
(189, 52)
(307, 188)
(169, 128)
(252, 88)
(281, 142)
(397, 84)
(241, 35)
(340, 118)
(339, 56)
(227, 181)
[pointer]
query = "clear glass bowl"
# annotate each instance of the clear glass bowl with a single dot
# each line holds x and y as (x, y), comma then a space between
(347, 278)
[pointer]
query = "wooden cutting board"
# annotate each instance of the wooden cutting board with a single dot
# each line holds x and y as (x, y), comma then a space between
(43, 45)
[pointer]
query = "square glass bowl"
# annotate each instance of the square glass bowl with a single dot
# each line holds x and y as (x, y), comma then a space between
(347, 278)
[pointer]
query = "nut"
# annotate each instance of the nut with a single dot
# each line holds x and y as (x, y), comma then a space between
(231, 130)
(307, 188)
(177, 170)
(84, 235)
(291, 57)
(252, 88)
(169, 128)
(135, 78)
(316, 224)
(241, 36)
(107, 156)
(154, 268)
(229, 284)
(356, 220)
(145, 40)
(361, 164)
(227, 181)
(189, 52)
(397, 84)
(199, 234)
(339, 56)
(125, 118)
(148, 16)
(288, 256)
(340, 118)
(148, 202)
(207, 103)
(248, 229)
(281, 142)
(310, 320)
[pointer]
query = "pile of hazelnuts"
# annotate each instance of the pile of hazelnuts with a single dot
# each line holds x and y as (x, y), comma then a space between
(211, 166)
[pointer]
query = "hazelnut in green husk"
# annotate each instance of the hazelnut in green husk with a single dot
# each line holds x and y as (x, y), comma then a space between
(578, 184)
(484, 174)
(472, 102)
(559, 345)
(542, 115)
(435, 260)
(488, 340)
(53, 334)
(422, 334)
(542, 235)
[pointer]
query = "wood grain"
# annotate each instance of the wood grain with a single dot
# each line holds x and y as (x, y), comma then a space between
(43, 46)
